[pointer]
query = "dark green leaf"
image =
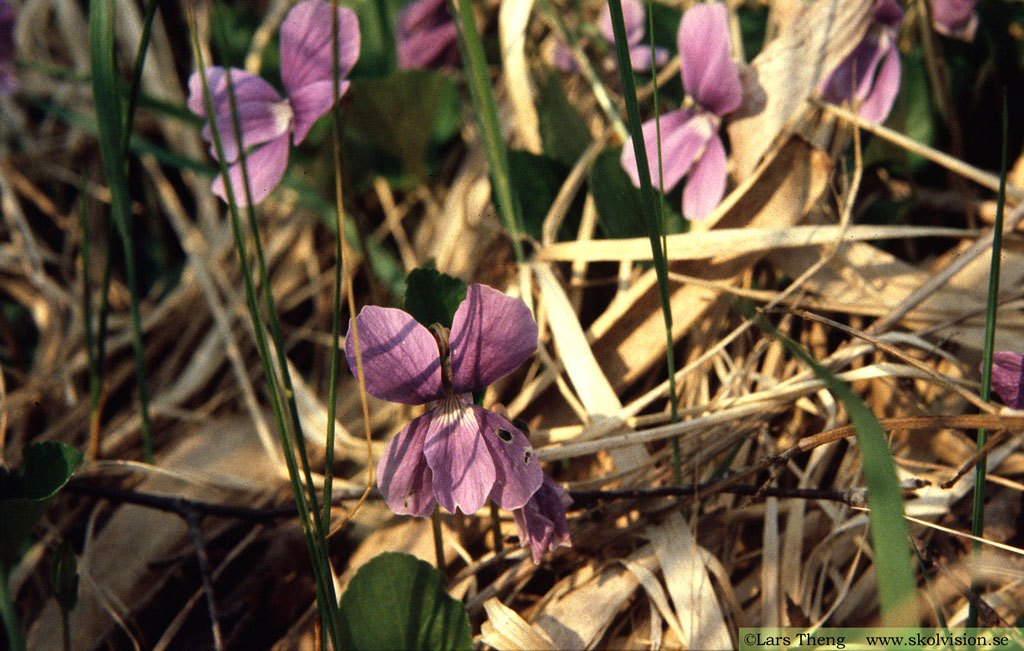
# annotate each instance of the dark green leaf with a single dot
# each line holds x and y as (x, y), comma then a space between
(26, 493)
(563, 132)
(536, 181)
(397, 601)
(396, 114)
(432, 297)
(619, 207)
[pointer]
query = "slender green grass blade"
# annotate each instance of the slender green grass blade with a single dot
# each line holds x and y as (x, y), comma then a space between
(309, 514)
(475, 64)
(981, 470)
(8, 615)
(107, 100)
(652, 213)
(889, 534)
(136, 87)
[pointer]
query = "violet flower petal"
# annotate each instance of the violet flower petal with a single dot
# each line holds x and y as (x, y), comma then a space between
(709, 74)
(955, 18)
(422, 14)
(878, 103)
(262, 114)
(492, 335)
(640, 57)
(428, 48)
(401, 362)
(541, 523)
(403, 476)
(306, 54)
(518, 474)
(8, 77)
(1008, 378)
(311, 102)
(706, 183)
(462, 466)
(888, 13)
(684, 135)
(248, 88)
(425, 36)
(265, 167)
(634, 19)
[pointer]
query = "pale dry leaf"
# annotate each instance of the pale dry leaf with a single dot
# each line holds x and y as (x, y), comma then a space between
(786, 73)
(689, 585)
(504, 629)
(697, 245)
(513, 19)
(576, 620)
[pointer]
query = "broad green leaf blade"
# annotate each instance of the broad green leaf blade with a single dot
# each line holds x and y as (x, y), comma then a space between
(536, 181)
(618, 201)
(563, 131)
(889, 534)
(432, 297)
(397, 114)
(397, 601)
(26, 493)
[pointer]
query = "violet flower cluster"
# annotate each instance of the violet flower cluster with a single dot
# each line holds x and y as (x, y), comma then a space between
(457, 454)
(690, 145)
(426, 36)
(268, 123)
(8, 17)
(869, 78)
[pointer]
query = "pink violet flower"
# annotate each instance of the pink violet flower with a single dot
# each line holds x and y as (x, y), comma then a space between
(690, 145)
(635, 21)
(1008, 378)
(8, 78)
(268, 122)
(426, 36)
(456, 454)
(869, 78)
(541, 522)
(955, 18)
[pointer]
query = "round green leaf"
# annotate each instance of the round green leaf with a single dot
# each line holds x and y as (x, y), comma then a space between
(397, 601)
(433, 297)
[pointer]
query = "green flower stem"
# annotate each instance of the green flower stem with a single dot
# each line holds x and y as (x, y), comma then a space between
(315, 537)
(981, 470)
(480, 91)
(435, 525)
(107, 99)
(652, 218)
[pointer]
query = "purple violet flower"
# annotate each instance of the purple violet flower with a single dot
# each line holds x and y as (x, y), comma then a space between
(8, 78)
(1008, 378)
(267, 121)
(426, 36)
(955, 18)
(690, 145)
(541, 522)
(869, 78)
(635, 21)
(456, 454)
